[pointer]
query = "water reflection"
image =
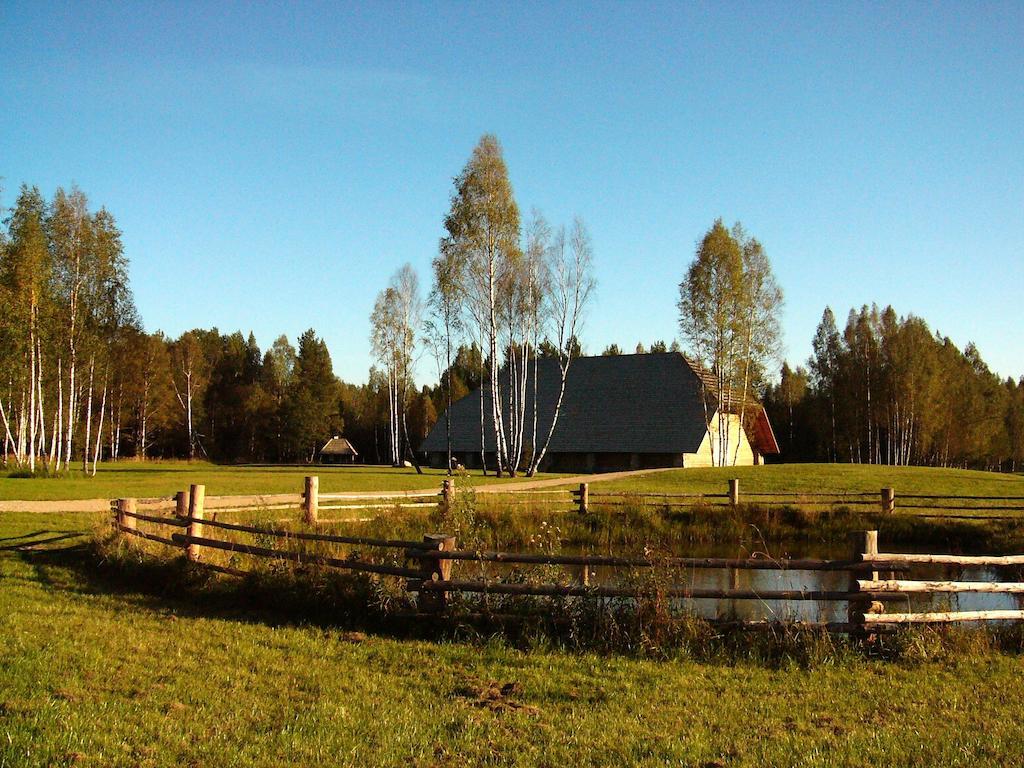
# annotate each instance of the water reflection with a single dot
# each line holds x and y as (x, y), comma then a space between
(771, 580)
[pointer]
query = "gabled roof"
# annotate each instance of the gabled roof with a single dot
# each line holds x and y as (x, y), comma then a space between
(648, 403)
(338, 446)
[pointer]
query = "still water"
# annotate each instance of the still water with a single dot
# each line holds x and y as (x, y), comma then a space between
(775, 580)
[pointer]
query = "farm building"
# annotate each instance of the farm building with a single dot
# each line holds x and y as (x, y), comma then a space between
(618, 412)
(338, 450)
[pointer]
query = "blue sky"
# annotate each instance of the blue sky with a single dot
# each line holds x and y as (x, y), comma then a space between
(271, 166)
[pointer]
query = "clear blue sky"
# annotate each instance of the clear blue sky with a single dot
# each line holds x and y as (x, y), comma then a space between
(271, 166)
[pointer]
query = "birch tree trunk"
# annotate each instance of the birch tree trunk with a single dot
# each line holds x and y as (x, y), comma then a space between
(88, 419)
(99, 428)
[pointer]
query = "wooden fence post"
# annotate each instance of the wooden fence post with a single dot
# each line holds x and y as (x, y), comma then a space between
(196, 501)
(448, 495)
(311, 500)
(888, 501)
(862, 543)
(734, 492)
(123, 521)
(584, 498)
(434, 569)
(181, 504)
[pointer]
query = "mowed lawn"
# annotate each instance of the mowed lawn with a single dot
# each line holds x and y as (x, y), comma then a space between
(124, 479)
(95, 674)
(825, 478)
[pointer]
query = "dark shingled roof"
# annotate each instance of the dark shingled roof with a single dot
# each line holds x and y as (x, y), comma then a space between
(648, 403)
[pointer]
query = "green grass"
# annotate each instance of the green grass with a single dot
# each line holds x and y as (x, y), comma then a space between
(96, 673)
(163, 478)
(826, 478)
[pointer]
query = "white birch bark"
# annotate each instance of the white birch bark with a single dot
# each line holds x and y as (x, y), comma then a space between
(99, 428)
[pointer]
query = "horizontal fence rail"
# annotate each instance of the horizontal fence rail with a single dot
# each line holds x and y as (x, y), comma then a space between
(873, 579)
(585, 499)
(752, 563)
(884, 500)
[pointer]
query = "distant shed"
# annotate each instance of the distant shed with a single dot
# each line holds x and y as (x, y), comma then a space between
(338, 450)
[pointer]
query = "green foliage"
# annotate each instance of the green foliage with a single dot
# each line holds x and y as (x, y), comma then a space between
(889, 391)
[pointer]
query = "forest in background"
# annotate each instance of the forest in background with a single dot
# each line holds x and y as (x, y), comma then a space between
(81, 381)
(887, 390)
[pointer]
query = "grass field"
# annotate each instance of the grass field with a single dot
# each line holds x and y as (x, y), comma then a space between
(163, 478)
(827, 478)
(94, 673)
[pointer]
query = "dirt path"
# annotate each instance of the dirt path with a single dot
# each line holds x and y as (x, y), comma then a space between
(220, 502)
(554, 482)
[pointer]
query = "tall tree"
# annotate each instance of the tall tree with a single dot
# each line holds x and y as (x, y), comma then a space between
(189, 376)
(482, 228)
(571, 287)
(824, 366)
(728, 307)
(312, 406)
(445, 323)
(25, 274)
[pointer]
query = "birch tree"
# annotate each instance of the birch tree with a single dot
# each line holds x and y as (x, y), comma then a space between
(189, 375)
(482, 228)
(728, 306)
(445, 324)
(570, 286)
(25, 274)
(70, 233)
(385, 343)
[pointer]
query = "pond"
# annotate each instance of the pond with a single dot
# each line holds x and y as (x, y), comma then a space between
(767, 581)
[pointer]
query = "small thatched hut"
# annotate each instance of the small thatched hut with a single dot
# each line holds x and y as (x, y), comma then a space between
(338, 450)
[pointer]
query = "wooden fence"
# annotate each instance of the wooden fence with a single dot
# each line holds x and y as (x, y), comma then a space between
(884, 501)
(874, 580)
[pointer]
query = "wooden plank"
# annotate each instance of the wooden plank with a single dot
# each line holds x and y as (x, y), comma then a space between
(362, 540)
(297, 557)
(379, 496)
(943, 617)
(400, 504)
(963, 507)
(174, 521)
(257, 506)
(680, 562)
(928, 587)
(965, 560)
(961, 498)
(564, 492)
(972, 518)
(627, 495)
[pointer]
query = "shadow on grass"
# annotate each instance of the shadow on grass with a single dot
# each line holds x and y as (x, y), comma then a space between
(28, 541)
(284, 595)
(162, 586)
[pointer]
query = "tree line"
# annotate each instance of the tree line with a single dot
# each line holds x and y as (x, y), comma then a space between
(887, 390)
(82, 381)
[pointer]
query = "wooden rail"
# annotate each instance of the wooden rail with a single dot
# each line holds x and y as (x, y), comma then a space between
(751, 563)
(297, 557)
(884, 500)
(872, 580)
